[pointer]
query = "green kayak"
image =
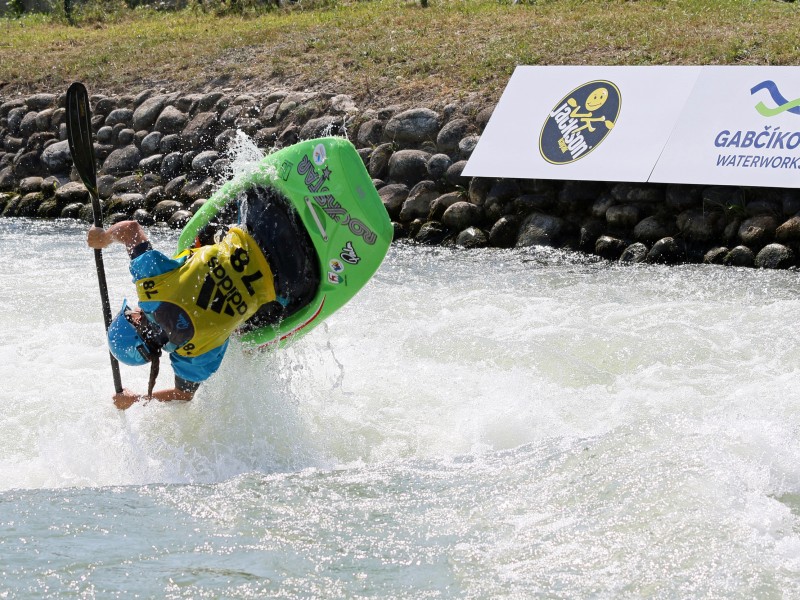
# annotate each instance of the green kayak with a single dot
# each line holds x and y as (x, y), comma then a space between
(326, 184)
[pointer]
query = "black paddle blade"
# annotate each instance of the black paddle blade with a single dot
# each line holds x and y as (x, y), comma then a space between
(79, 134)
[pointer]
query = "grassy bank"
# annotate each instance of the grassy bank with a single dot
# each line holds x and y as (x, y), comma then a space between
(383, 51)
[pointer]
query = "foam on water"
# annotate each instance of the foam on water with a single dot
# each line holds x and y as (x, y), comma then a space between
(474, 424)
(442, 354)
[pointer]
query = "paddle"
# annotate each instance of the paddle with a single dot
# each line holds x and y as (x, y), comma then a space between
(79, 134)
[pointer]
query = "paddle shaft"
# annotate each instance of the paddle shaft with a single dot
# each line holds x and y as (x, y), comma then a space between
(101, 279)
(79, 134)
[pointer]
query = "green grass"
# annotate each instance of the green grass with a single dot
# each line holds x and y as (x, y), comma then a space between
(384, 51)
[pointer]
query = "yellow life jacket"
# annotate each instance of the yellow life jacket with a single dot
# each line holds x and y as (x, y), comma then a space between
(219, 287)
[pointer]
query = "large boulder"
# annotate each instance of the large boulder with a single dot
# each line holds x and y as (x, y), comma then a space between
(122, 161)
(179, 218)
(789, 231)
(740, 256)
(715, 256)
(431, 232)
(408, 166)
(14, 119)
(29, 204)
(174, 187)
(145, 115)
(124, 203)
(379, 160)
(438, 165)
(27, 126)
(201, 130)
(44, 119)
(451, 134)
(443, 202)
(454, 176)
(320, 127)
(699, 225)
(151, 164)
(774, 256)
(589, 232)
(196, 190)
(57, 158)
(678, 197)
(467, 146)
(30, 184)
(393, 196)
(171, 120)
(635, 253)
(369, 133)
(163, 211)
(41, 101)
(609, 247)
(171, 166)
(118, 116)
(652, 229)
(472, 237)
(7, 179)
(73, 192)
(150, 143)
(27, 165)
(666, 251)
(623, 216)
(204, 161)
(71, 211)
(462, 215)
(541, 230)
(504, 232)
(758, 231)
(412, 126)
(418, 203)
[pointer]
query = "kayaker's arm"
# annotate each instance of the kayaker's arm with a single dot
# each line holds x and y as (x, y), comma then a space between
(172, 394)
(128, 233)
(126, 398)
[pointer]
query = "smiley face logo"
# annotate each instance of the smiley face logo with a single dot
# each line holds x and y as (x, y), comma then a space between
(596, 99)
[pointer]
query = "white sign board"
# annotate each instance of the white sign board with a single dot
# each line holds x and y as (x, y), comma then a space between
(649, 100)
(740, 126)
(702, 125)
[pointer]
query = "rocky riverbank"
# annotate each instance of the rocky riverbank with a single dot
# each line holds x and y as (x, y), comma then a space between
(160, 155)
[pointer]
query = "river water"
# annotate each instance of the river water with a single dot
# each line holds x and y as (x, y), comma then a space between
(483, 424)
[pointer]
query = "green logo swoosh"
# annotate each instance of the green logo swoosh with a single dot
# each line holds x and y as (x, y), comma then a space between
(766, 111)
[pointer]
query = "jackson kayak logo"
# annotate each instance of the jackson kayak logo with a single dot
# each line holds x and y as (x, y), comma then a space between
(782, 105)
(579, 122)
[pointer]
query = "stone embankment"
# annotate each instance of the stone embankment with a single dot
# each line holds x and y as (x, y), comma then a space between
(160, 155)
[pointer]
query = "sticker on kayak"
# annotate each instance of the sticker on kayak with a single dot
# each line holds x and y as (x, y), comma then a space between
(349, 255)
(320, 156)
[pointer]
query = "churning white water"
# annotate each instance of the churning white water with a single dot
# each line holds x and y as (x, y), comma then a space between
(489, 424)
